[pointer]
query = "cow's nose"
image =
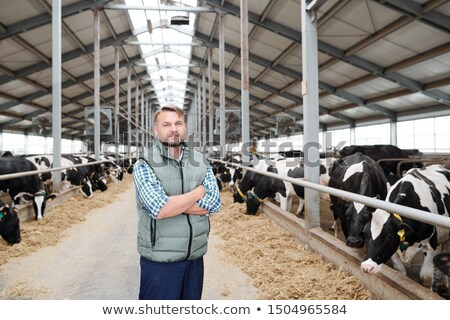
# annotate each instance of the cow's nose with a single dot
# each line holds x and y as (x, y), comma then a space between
(367, 268)
(354, 242)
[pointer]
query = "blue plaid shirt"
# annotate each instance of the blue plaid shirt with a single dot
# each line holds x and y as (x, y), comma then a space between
(153, 197)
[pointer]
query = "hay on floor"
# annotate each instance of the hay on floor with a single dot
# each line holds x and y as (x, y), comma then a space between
(276, 262)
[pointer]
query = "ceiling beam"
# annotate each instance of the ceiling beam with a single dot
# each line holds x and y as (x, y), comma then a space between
(46, 18)
(337, 53)
(425, 13)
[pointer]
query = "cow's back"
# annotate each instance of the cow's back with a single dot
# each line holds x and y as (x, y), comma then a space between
(9, 165)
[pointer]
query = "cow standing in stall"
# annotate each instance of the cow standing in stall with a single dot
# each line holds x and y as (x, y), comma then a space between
(29, 188)
(359, 174)
(250, 179)
(426, 189)
(228, 174)
(269, 187)
(384, 151)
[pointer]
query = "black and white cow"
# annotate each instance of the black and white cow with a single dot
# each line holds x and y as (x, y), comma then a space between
(81, 177)
(9, 223)
(269, 187)
(229, 174)
(426, 189)
(90, 177)
(29, 188)
(250, 179)
(384, 151)
(359, 174)
(112, 171)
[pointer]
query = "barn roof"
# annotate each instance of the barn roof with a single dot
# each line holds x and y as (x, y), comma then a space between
(379, 60)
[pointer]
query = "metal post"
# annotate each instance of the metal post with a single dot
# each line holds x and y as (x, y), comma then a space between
(352, 135)
(129, 112)
(116, 97)
(245, 100)
(56, 91)
(150, 122)
(142, 119)
(393, 133)
(204, 139)
(210, 98)
(199, 105)
(147, 122)
(136, 113)
(310, 92)
(222, 83)
(97, 84)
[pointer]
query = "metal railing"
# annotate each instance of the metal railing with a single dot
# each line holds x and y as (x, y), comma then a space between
(40, 171)
(420, 215)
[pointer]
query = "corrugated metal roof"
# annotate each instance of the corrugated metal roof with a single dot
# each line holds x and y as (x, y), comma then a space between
(378, 60)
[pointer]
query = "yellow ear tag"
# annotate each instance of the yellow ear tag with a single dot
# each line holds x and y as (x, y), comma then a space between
(401, 232)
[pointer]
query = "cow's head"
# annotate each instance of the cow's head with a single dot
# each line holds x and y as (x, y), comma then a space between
(252, 202)
(224, 173)
(86, 188)
(236, 175)
(442, 262)
(356, 216)
(384, 232)
(9, 223)
(238, 195)
(98, 182)
(39, 200)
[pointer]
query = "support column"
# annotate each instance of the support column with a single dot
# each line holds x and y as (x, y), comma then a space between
(199, 118)
(129, 112)
(393, 132)
(310, 92)
(97, 84)
(222, 83)
(245, 88)
(142, 139)
(204, 113)
(210, 99)
(136, 116)
(116, 98)
(352, 135)
(56, 91)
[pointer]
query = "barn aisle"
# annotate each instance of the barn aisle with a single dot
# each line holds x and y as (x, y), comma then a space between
(97, 259)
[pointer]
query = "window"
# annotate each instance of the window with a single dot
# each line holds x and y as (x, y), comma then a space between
(375, 134)
(427, 135)
(14, 142)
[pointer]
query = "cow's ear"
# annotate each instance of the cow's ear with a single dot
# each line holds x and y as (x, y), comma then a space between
(50, 197)
(28, 197)
(402, 225)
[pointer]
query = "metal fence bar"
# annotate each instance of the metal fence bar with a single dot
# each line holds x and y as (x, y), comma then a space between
(35, 172)
(420, 215)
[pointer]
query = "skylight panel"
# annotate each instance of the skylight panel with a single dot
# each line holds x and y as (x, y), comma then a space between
(167, 63)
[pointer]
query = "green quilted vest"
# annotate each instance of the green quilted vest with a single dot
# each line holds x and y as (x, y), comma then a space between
(184, 237)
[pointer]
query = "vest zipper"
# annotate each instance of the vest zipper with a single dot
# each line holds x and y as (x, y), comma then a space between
(153, 231)
(187, 216)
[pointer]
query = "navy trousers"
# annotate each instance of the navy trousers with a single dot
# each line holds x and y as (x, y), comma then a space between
(181, 280)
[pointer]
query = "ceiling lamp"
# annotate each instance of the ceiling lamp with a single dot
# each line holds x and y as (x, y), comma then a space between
(179, 20)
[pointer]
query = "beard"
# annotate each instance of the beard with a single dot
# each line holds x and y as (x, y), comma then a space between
(171, 144)
(177, 140)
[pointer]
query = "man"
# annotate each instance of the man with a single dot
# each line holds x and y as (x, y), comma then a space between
(176, 191)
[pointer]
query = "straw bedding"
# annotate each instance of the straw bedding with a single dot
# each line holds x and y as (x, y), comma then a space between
(277, 263)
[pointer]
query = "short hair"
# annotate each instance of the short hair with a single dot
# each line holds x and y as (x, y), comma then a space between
(170, 108)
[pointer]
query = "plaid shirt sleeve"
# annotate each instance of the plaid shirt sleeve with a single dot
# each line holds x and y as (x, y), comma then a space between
(211, 201)
(149, 188)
